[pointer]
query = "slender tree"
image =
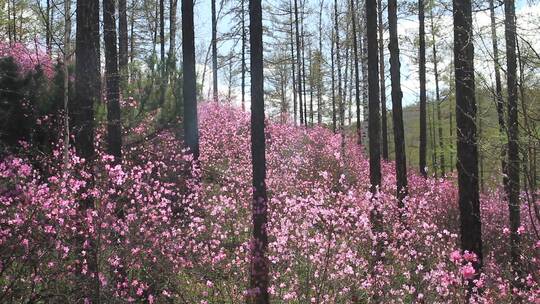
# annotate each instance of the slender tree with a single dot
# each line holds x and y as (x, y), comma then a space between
(356, 71)
(333, 81)
(191, 132)
(467, 150)
(513, 137)
(87, 93)
(122, 38)
(422, 71)
(298, 61)
(65, 65)
(397, 112)
(259, 264)
(382, 80)
(374, 128)
(243, 63)
(114, 127)
(338, 66)
(437, 95)
(214, 51)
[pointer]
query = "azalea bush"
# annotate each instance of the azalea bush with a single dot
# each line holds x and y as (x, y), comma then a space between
(168, 229)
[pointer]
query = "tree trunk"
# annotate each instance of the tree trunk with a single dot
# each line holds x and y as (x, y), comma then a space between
(383, 85)
(422, 71)
(214, 52)
(65, 66)
(397, 112)
(332, 68)
(320, 61)
(114, 124)
(338, 66)
(356, 73)
(244, 59)
(191, 132)
(87, 93)
(293, 60)
(467, 150)
(122, 40)
(298, 61)
(437, 97)
(498, 96)
(259, 277)
(513, 137)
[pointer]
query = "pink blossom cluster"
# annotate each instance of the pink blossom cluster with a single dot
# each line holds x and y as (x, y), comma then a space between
(171, 230)
(28, 58)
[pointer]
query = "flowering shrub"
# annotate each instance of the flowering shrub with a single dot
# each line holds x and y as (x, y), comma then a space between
(167, 230)
(28, 58)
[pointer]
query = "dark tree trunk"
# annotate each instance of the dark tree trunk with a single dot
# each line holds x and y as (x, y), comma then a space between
(48, 21)
(87, 93)
(259, 278)
(356, 72)
(243, 68)
(422, 71)
(191, 132)
(320, 61)
(163, 80)
(383, 85)
(499, 96)
(332, 68)
(298, 61)
(397, 112)
(171, 57)
(114, 123)
(513, 137)
(310, 78)
(293, 60)
(338, 67)
(437, 97)
(214, 52)
(467, 150)
(122, 38)
(374, 128)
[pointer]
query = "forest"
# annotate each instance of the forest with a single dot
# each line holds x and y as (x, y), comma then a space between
(269, 151)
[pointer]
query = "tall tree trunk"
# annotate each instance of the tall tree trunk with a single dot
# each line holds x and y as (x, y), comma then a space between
(243, 68)
(374, 102)
(422, 71)
(310, 87)
(114, 124)
(214, 52)
(437, 96)
(513, 137)
(162, 65)
(320, 62)
(304, 87)
(191, 132)
(298, 61)
(131, 37)
(383, 85)
(365, 95)
(356, 72)
(122, 40)
(259, 277)
(171, 57)
(65, 66)
(332, 68)
(499, 96)
(48, 36)
(397, 112)
(338, 66)
(467, 150)
(293, 60)
(87, 93)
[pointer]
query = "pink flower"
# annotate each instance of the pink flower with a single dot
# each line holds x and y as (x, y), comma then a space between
(468, 272)
(455, 256)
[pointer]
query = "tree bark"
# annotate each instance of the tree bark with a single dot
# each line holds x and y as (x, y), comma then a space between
(513, 138)
(467, 150)
(191, 132)
(87, 93)
(122, 39)
(243, 23)
(422, 71)
(259, 277)
(356, 72)
(214, 52)
(114, 124)
(383, 85)
(298, 61)
(397, 112)
(338, 63)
